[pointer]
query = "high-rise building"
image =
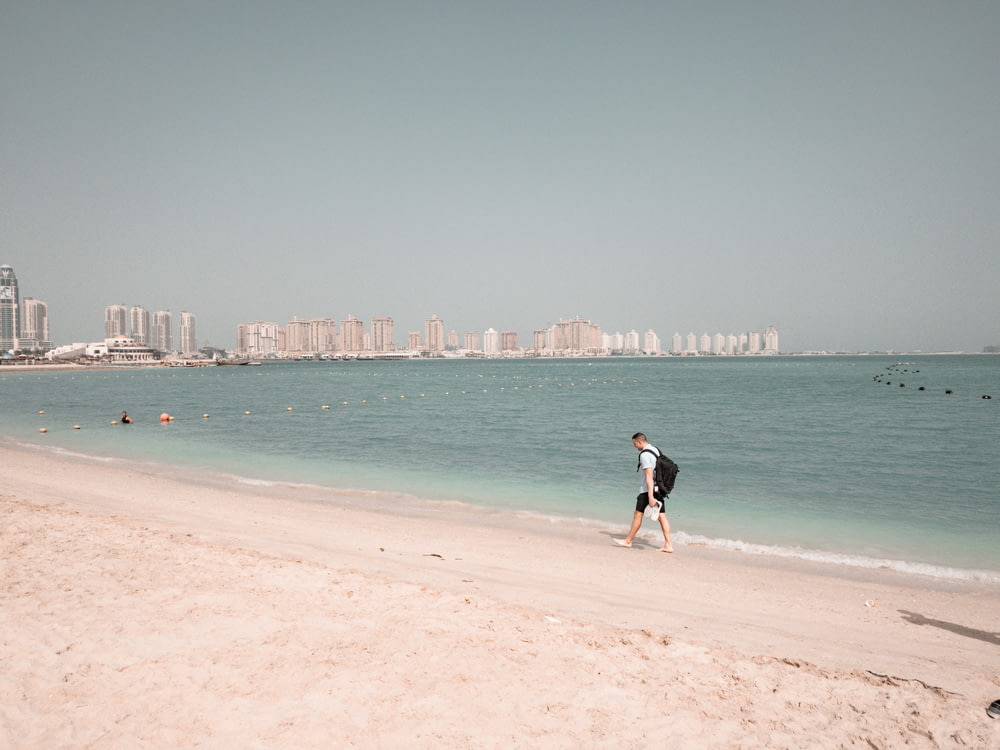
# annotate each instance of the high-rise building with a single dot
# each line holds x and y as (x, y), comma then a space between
(541, 339)
(257, 339)
(434, 334)
(718, 344)
(651, 342)
(413, 341)
(508, 341)
(188, 334)
(10, 310)
(162, 338)
(704, 343)
(322, 335)
(139, 324)
(352, 335)
(382, 334)
(472, 341)
(34, 326)
(296, 337)
(631, 342)
(771, 340)
(691, 347)
(576, 335)
(677, 347)
(453, 340)
(115, 321)
(491, 342)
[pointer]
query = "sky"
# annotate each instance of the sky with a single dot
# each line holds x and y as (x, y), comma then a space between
(828, 168)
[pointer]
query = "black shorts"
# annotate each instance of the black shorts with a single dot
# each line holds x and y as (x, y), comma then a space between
(642, 502)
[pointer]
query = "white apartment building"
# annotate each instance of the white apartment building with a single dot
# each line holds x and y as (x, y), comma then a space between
(651, 342)
(491, 342)
(139, 324)
(257, 339)
(34, 326)
(188, 334)
(161, 339)
(115, 321)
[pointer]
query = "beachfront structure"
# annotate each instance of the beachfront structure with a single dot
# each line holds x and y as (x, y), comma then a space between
(188, 337)
(115, 321)
(382, 333)
(160, 335)
(434, 334)
(677, 346)
(472, 341)
(124, 350)
(10, 310)
(34, 318)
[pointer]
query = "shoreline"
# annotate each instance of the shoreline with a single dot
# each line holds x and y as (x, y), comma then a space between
(472, 626)
(848, 565)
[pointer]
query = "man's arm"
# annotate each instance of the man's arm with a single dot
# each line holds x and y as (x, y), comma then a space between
(650, 485)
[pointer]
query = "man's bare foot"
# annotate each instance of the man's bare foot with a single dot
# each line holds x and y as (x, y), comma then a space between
(623, 543)
(668, 548)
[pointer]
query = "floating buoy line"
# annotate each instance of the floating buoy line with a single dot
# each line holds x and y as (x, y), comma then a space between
(166, 418)
(903, 369)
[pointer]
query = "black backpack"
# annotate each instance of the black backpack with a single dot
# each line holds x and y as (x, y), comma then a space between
(664, 473)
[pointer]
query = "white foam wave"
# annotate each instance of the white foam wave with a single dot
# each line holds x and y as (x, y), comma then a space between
(838, 558)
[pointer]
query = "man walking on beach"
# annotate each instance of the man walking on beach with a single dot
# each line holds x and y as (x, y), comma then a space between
(647, 496)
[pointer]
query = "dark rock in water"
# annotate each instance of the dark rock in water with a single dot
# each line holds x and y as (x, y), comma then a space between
(902, 385)
(921, 388)
(948, 391)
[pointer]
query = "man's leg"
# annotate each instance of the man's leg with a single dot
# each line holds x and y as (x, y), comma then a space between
(636, 523)
(665, 525)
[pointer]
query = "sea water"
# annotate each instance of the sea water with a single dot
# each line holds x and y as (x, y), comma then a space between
(855, 460)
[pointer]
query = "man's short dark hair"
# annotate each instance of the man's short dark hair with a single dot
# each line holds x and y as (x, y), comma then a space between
(640, 436)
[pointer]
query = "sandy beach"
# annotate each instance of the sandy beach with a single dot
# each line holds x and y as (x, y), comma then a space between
(148, 610)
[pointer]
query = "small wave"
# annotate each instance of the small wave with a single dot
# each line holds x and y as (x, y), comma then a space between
(56, 450)
(839, 558)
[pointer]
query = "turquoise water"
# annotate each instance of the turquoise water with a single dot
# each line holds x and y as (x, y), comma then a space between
(798, 456)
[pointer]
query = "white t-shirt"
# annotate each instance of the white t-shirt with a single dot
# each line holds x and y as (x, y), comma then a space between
(647, 461)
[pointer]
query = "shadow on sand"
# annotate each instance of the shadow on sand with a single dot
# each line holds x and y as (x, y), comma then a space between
(979, 635)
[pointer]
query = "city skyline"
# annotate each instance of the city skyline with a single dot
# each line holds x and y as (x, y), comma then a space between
(575, 337)
(827, 169)
(321, 335)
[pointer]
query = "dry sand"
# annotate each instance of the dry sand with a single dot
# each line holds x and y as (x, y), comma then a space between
(144, 611)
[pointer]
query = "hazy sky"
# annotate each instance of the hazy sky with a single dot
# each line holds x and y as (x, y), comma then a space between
(829, 168)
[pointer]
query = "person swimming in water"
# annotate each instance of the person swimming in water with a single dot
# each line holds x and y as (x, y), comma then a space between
(126, 419)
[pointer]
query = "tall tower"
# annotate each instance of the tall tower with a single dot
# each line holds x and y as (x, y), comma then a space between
(10, 309)
(382, 335)
(161, 340)
(352, 334)
(115, 321)
(189, 339)
(139, 324)
(434, 334)
(34, 325)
